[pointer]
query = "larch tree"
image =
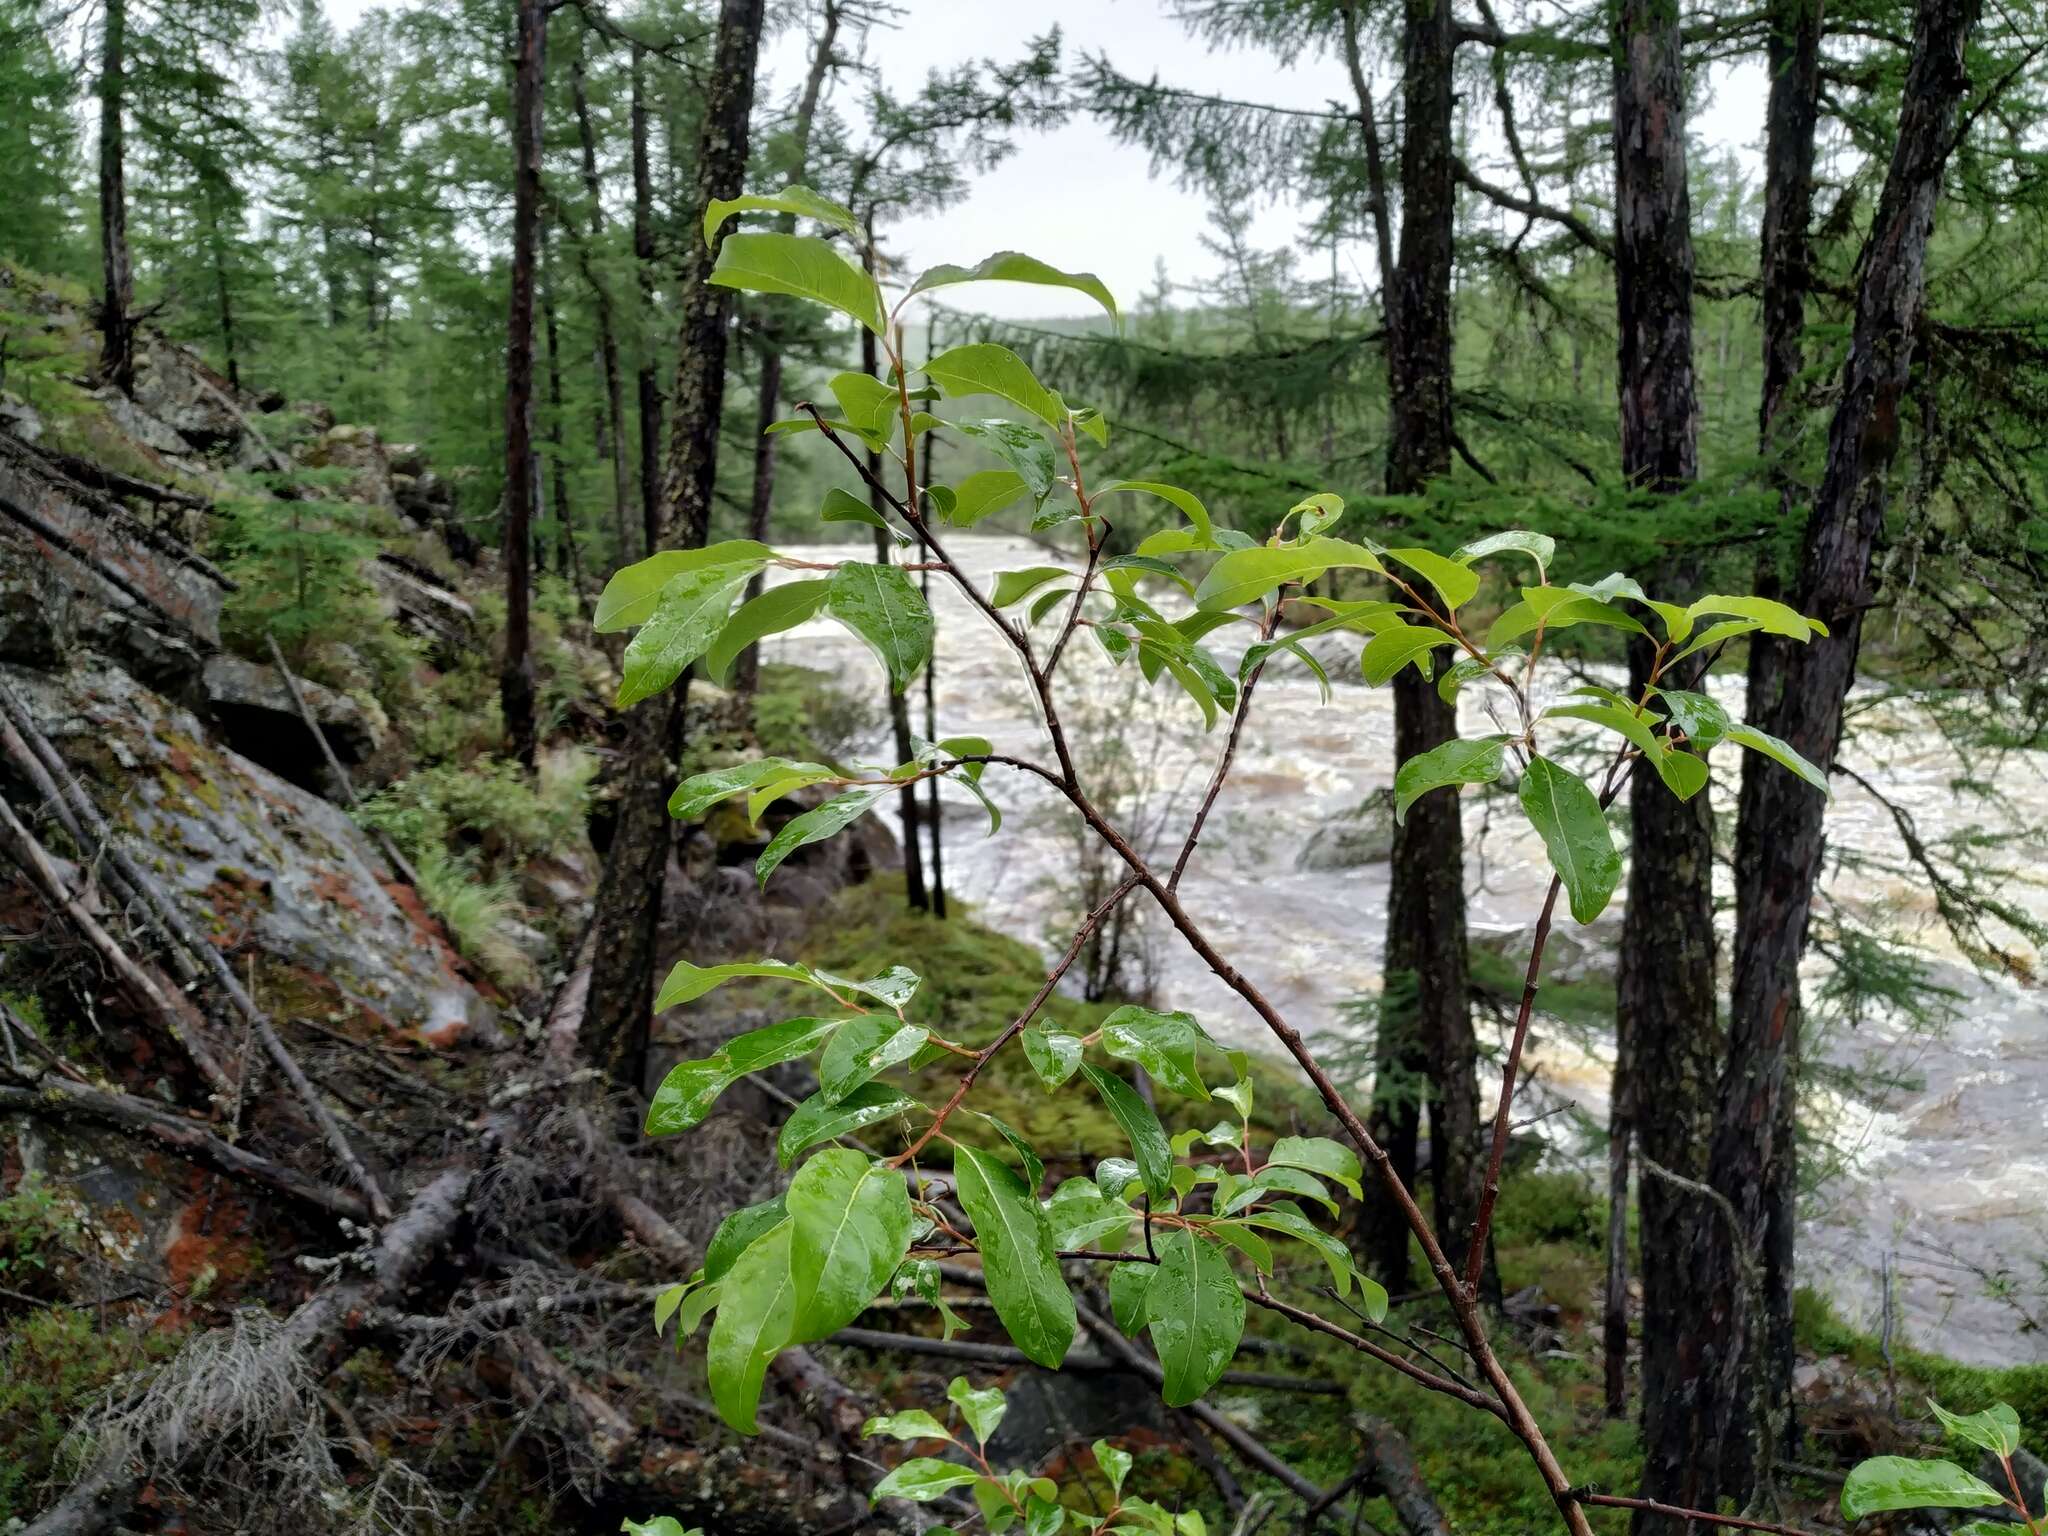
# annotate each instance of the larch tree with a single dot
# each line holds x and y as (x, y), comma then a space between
(516, 687)
(1754, 1154)
(614, 1030)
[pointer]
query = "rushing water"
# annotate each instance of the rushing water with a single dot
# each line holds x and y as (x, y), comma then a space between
(1944, 1143)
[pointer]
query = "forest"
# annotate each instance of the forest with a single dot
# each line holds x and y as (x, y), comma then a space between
(685, 849)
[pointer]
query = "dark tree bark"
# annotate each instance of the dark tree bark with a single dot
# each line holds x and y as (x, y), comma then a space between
(1754, 1153)
(223, 298)
(934, 822)
(614, 1029)
(1666, 1049)
(643, 263)
(522, 468)
(1426, 1014)
(1791, 118)
(558, 468)
(611, 444)
(746, 669)
(117, 294)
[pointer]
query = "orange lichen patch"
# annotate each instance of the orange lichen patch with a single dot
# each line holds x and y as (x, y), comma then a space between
(209, 1255)
(231, 896)
(329, 886)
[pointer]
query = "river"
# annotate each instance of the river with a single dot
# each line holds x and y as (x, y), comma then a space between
(1942, 1142)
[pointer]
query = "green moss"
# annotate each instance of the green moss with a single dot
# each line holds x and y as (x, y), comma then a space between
(976, 981)
(1821, 1330)
(54, 1365)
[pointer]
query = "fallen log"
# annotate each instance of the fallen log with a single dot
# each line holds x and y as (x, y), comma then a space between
(107, 1489)
(54, 1098)
(148, 990)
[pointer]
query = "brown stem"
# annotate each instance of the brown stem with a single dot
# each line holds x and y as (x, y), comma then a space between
(1016, 1026)
(1676, 1512)
(1223, 763)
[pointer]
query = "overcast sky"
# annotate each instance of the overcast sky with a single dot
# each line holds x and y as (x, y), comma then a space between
(1078, 200)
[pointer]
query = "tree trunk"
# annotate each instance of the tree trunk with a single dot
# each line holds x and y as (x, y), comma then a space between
(614, 1030)
(557, 465)
(1754, 1152)
(223, 298)
(643, 263)
(746, 670)
(899, 705)
(1666, 1031)
(1426, 1015)
(613, 443)
(117, 299)
(1791, 117)
(522, 468)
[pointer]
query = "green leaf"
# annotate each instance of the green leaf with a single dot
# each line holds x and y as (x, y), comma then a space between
(1114, 1176)
(1537, 546)
(1082, 1216)
(910, 1424)
(665, 1306)
(1014, 586)
(984, 492)
(1778, 752)
(1189, 504)
(758, 262)
(736, 1234)
(843, 507)
(630, 596)
(661, 1525)
(1996, 1429)
(791, 199)
(1566, 609)
(1016, 267)
(1394, 648)
(880, 604)
(1015, 1239)
(1164, 1044)
(1147, 1136)
(1893, 1482)
(1034, 1165)
(1318, 512)
(815, 825)
(1245, 575)
(870, 407)
(923, 1479)
(1285, 1219)
(1718, 634)
(814, 1120)
(688, 1091)
(1773, 617)
(1195, 1314)
(1053, 1055)
(1701, 717)
(756, 1311)
(1567, 816)
(983, 368)
(1683, 774)
(1318, 1154)
(1478, 760)
(1128, 1285)
(1280, 1180)
(1456, 583)
(981, 1408)
(1023, 448)
(687, 616)
(852, 1228)
(686, 982)
(863, 1048)
(1113, 1464)
(1246, 1242)
(698, 793)
(773, 611)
